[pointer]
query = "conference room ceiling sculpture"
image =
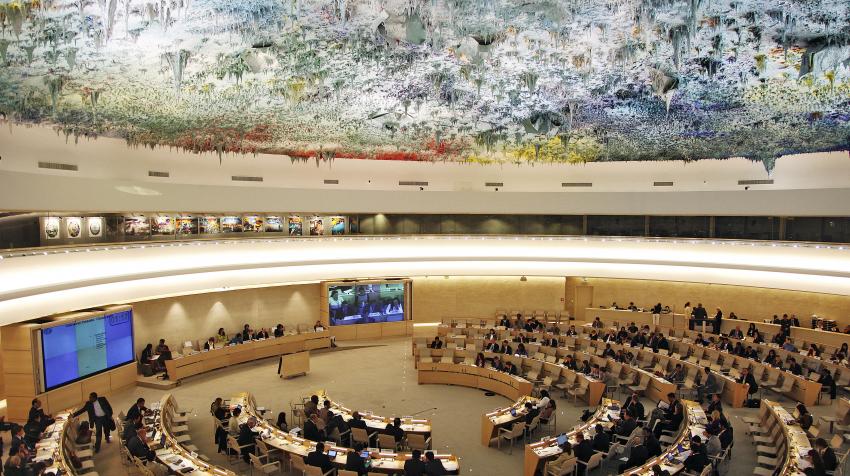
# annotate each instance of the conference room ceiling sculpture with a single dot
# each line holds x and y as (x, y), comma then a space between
(482, 81)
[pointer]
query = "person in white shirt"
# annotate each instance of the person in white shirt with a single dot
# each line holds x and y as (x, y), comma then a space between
(544, 400)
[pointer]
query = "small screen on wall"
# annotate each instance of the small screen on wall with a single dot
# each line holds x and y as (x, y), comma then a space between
(365, 303)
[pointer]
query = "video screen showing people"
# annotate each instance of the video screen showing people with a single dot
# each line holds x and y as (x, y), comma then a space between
(365, 303)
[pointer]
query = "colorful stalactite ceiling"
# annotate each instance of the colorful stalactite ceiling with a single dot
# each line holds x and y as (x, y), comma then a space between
(486, 81)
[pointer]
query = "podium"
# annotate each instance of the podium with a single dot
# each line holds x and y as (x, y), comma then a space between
(293, 365)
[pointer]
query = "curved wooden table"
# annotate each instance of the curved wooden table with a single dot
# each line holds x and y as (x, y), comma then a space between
(548, 449)
(205, 361)
(173, 453)
(509, 386)
(382, 461)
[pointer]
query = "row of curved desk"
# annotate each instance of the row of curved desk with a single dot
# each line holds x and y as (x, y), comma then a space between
(509, 386)
(56, 447)
(547, 449)
(296, 447)
(803, 389)
(196, 363)
(503, 417)
(176, 451)
(378, 423)
(796, 442)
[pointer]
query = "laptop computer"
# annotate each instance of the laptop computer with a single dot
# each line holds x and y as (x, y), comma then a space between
(562, 438)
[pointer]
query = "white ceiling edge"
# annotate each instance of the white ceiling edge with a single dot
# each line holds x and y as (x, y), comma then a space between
(22, 147)
(40, 285)
(69, 193)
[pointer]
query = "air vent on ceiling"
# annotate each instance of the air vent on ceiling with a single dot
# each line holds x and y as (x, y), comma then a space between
(413, 183)
(576, 184)
(154, 173)
(756, 182)
(331, 182)
(494, 184)
(245, 178)
(662, 184)
(57, 166)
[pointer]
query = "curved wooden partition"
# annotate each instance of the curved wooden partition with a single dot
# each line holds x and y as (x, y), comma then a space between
(57, 444)
(204, 361)
(502, 417)
(509, 386)
(381, 461)
(547, 449)
(673, 457)
(378, 423)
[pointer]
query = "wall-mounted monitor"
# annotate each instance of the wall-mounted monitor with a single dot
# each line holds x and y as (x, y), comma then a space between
(367, 302)
(83, 347)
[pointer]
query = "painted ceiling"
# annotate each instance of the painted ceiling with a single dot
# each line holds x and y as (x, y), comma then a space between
(482, 81)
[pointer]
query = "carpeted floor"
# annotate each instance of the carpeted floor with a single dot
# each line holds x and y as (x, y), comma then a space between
(379, 376)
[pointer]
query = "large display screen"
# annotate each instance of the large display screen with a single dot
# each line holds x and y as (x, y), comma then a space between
(83, 348)
(365, 303)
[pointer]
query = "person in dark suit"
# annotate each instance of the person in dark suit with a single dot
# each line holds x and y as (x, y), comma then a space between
(657, 471)
(394, 429)
(709, 386)
(601, 441)
(569, 362)
(433, 466)
(634, 406)
(697, 316)
(698, 458)
(714, 404)
(414, 466)
(138, 446)
(747, 378)
(583, 451)
(314, 428)
(355, 462)
(246, 438)
(37, 415)
(138, 408)
(653, 446)
(506, 348)
(625, 426)
(319, 459)
(828, 383)
(718, 319)
(356, 421)
(794, 367)
(131, 426)
(436, 343)
(100, 415)
(736, 333)
(637, 457)
(830, 462)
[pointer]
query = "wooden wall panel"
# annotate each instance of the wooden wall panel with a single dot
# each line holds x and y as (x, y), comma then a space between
(199, 316)
(746, 302)
(436, 297)
(98, 384)
(20, 385)
(18, 362)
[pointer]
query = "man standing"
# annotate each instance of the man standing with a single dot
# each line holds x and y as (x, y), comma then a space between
(100, 416)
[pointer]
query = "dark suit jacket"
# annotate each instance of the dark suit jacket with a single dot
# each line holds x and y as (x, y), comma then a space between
(414, 467)
(246, 436)
(435, 468)
(637, 457)
(583, 450)
(754, 387)
(353, 462)
(697, 460)
(636, 407)
(311, 431)
(319, 459)
(36, 414)
(601, 442)
(830, 462)
(139, 449)
(89, 408)
(357, 424)
(626, 427)
(133, 412)
(653, 447)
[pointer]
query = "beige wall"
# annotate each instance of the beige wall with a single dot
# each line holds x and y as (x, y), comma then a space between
(199, 316)
(436, 297)
(746, 302)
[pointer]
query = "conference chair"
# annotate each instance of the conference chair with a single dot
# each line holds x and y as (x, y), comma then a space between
(532, 427)
(360, 435)
(594, 462)
(787, 386)
(579, 391)
(545, 384)
(264, 468)
(337, 437)
(417, 441)
(234, 450)
(569, 468)
(774, 461)
(642, 385)
(516, 431)
(387, 442)
(706, 471)
(567, 383)
(264, 452)
(296, 462)
(771, 447)
(317, 471)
